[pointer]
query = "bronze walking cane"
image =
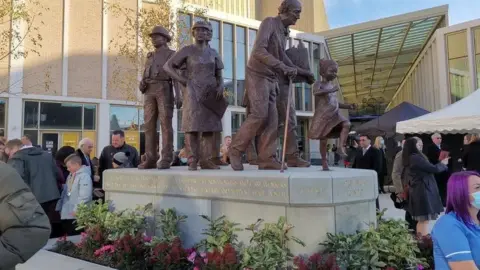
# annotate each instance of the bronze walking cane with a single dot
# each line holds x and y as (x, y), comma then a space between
(285, 133)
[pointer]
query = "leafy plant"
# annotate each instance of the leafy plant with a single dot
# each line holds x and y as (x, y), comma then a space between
(425, 245)
(129, 252)
(317, 261)
(219, 233)
(168, 256)
(91, 214)
(127, 222)
(227, 259)
(168, 222)
(389, 245)
(268, 246)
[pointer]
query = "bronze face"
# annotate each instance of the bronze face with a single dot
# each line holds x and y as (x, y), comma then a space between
(291, 12)
(158, 40)
(201, 33)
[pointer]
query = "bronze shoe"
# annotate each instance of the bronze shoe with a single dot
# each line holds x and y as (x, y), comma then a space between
(271, 165)
(163, 165)
(296, 161)
(147, 164)
(208, 165)
(235, 159)
(218, 161)
(192, 164)
(253, 162)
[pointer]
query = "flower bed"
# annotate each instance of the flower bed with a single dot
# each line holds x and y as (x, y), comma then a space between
(118, 240)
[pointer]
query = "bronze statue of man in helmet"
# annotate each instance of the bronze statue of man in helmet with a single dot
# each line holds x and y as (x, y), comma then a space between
(157, 87)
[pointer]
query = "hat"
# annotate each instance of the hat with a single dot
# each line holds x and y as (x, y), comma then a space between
(202, 24)
(120, 158)
(160, 30)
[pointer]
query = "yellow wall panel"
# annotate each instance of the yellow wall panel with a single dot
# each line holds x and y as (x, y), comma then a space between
(43, 73)
(85, 49)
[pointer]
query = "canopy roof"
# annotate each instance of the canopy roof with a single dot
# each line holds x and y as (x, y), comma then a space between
(374, 57)
(386, 124)
(459, 118)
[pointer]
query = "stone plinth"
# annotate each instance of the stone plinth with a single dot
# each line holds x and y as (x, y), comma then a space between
(315, 202)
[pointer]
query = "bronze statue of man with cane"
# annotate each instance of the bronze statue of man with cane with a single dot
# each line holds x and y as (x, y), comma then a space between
(267, 62)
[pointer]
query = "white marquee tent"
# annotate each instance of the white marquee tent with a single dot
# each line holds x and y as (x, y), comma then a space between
(460, 117)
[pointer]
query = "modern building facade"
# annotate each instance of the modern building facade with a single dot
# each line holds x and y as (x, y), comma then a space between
(447, 70)
(66, 92)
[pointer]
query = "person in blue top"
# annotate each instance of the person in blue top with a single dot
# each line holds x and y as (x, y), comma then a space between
(456, 235)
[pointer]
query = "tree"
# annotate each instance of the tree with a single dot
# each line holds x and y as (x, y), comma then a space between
(133, 44)
(19, 22)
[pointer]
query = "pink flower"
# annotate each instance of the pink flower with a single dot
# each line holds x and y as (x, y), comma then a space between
(420, 267)
(196, 268)
(147, 239)
(192, 257)
(108, 248)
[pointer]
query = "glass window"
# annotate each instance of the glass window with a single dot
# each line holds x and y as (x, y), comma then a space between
(89, 117)
(240, 63)
(237, 120)
(184, 26)
(298, 96)
(476, 34)
(316, 60)
(252, 35)
(308, 97)
(227, 54)
(180, 134)
(124, 118)
(33, 134)
(458, 65)
(52, 115)
(215, 43)
(199, 19)
(3, 113)
(30, 115)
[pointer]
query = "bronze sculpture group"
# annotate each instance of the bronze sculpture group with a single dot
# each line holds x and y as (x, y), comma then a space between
(196, 73)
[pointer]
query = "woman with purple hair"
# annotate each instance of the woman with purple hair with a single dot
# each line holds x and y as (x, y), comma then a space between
(456, 235)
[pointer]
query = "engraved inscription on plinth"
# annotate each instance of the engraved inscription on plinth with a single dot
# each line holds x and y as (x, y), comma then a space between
(353, 188)
(256, 189)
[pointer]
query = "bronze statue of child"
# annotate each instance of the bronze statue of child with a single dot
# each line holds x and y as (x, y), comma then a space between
(327, 122)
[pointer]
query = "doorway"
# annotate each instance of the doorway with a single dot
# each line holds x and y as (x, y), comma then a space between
(52, 141)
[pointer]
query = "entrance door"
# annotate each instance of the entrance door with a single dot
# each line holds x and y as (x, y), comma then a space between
(50, 142)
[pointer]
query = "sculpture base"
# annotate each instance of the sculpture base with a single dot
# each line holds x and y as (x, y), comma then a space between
(314, 201)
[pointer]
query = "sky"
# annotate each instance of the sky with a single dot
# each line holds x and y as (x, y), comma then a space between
(347, 12)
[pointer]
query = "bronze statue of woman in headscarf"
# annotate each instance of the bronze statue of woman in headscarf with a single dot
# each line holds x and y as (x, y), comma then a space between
(203, 102)
(327, 122)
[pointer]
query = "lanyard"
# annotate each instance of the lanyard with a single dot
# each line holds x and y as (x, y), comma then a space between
(70, 184)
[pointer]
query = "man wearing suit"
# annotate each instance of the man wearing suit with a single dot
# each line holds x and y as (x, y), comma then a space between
(433, 155)
(85, 147)
(367, 158)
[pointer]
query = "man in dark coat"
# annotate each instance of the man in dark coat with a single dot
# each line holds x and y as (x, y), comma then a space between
(39, 171)
(267, 62)
(24, 227)
(85, 147)
(106, 157)
(368, 158)
(433, 154)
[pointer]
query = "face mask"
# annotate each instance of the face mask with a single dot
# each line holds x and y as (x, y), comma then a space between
(476, 199)
(184, 160)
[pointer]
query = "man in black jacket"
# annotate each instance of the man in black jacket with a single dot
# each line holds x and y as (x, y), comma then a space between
(433, 155)
(368, 158)
(118, 145)
(85, 147)
(39, 171)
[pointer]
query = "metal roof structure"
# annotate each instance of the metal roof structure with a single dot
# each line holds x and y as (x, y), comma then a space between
(374, 57)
